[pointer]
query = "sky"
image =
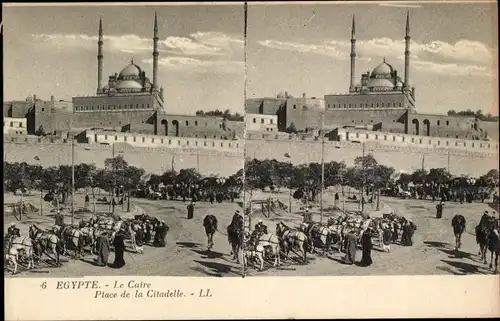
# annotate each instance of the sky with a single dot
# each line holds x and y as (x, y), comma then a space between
(305, 48)
(290, 47)
(53, 51)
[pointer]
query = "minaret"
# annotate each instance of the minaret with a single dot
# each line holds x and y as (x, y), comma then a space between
(155, 55)
(407, 52)
(353, 55)
(100, 58)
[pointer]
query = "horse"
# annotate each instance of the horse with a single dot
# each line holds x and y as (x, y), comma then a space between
(235, 235)
(267, 240)
(494, 245)
(88, 237)
(73, 236)
(482, 232)
(458, 223)
(292, 238)
(317, 235)
(210, 224)
(45, 241)
(257, 253)
(20, 244)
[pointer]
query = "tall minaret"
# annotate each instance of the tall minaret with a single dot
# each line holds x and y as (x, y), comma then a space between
(155, 55)
(353, 56)
(100, 58)
(407, 52)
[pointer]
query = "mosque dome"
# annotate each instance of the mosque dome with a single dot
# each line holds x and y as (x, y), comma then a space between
(132, 70)
(399, 83)
(384, 69)
(128, 84)
(380, 83)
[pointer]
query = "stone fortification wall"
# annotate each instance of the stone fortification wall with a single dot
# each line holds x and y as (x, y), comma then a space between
(153, 160)
(405, 159)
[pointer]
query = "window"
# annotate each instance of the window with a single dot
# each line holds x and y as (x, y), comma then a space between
(148, 105)
(394, 105)
(344, 105)
(385, 137)
(262, 121)
(271, 121)
(412, 140)
(196, 123)
(382, 104)
(333, 105)
(393, 138)
(349, 105)
(447, 123)
(11, 124)
(438, 123)
(357, 135)
(170, 142)
(125, 138)
(366, 135)
(254, 120)
(43, 109)
(372, 105)
(294, 106)
(134, 139)
(377, 105)
(420, 142)
(221, 144)
(328, 105)
(447, 143)
(403, 139)
(472, 144)
(143, 139)
(400, 105)
(106, 137)
(187, 123)
(142, 106)
(116, 137)
(187, 143)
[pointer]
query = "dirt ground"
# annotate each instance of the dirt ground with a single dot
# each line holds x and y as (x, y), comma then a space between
(186, 255)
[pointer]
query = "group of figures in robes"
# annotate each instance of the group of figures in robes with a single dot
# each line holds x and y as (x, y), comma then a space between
(351, 246)
(103, 249)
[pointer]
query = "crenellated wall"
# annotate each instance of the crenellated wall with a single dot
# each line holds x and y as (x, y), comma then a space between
(153, 160)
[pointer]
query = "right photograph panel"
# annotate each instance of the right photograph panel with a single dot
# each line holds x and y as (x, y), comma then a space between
(372, 139)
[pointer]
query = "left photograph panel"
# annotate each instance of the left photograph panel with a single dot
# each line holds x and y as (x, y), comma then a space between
(123, 139)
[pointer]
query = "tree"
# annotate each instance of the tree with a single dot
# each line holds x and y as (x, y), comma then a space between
(189, 175)
(40, 131)
(438, 175)
(419, 176)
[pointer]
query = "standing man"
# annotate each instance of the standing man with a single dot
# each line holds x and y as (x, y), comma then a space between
(439, 209)
(351, 246)
(13, 231)
(366, 247)
(336, 199)
(103, 249)
(87, 200)
(119, 244)
(190, 209)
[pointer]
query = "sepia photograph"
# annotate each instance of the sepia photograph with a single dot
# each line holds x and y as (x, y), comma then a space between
(372, 138)
(123, 139)
(165, 156)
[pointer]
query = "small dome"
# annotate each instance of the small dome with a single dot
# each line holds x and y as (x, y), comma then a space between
(399, 83)
(132, 70)
(128, 84)
(384, 69)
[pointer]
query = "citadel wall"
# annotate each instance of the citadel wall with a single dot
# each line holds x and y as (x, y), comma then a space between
(153, 160)
(406, 159)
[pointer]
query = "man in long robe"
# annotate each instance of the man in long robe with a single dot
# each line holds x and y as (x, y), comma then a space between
(119, 244)
(102, 249)
(139, 240)
(351, 245)
(366, 248)
(160, 234)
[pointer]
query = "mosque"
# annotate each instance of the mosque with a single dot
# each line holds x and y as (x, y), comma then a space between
(129, 102)
(381, 101)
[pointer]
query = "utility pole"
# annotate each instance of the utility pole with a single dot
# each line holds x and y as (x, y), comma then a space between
(449, 161)
(363, 183)
(198, 160)
(114, 183)
(322, 168)
(289, 183)
(72, 180)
